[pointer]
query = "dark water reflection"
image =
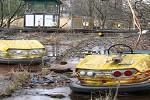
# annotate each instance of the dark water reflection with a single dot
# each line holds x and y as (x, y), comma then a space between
(145, 96)
(39, 94)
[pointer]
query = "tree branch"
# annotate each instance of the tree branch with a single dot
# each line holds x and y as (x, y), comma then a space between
(2, 12)
(15, 12)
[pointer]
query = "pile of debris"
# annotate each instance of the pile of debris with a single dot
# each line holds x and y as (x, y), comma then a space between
(50, 80)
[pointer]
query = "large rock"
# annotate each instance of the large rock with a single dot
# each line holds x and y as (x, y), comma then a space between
(56, 95)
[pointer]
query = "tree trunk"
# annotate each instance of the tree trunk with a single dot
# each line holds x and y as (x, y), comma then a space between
(14, 14)
(2, 13)
(91, 21)
(103, 24)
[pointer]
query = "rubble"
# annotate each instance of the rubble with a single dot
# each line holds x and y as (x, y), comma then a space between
(50, 80)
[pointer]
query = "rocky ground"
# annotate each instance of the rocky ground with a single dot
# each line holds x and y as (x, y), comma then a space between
(45, 79)
(75, 45)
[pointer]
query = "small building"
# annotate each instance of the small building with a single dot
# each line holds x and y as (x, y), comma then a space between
(42, 13)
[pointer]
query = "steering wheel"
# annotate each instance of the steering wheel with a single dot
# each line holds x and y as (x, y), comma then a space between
(120, 49)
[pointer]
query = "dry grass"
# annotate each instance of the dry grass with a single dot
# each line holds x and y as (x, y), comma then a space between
(107, 96)
(45, 71)
(18, 80)
(103, 96)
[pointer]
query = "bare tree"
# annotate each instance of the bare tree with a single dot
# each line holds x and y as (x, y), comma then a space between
(2, 12)
(109, 13)
(141, 9)
(101, 12)
(10, 11)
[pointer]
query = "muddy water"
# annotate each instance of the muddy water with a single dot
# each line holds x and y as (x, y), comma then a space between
(42, 94)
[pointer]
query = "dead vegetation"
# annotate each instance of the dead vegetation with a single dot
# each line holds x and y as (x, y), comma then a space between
(16, 81)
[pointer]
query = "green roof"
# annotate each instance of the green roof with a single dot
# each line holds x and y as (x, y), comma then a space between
(54, 1)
